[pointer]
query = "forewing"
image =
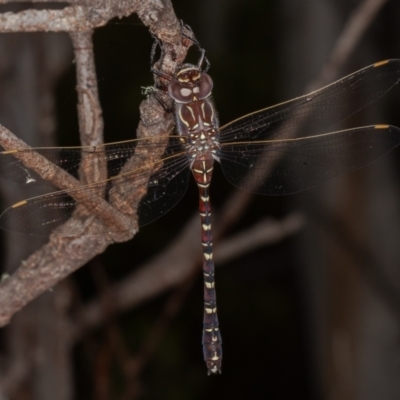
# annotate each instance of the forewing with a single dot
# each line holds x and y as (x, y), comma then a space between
(26, 166)
(313, 113)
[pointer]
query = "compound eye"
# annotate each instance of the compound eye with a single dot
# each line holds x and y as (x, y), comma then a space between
(204, 87)
(180, 93)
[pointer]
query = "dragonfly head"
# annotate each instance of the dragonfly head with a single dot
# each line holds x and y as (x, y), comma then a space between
(188, 74)
(190, 84)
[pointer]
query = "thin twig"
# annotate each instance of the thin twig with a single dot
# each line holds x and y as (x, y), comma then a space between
(351, 34)
(89, 109)
(264, 233)
(69, 19)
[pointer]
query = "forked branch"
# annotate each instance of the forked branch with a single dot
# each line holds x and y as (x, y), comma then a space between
(43, 269)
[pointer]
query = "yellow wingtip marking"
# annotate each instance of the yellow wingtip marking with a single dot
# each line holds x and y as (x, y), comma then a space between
(19, 204)
(381, 126)
(9, 152)
(380, 63)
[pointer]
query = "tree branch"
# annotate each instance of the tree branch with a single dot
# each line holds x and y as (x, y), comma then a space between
(43, 269)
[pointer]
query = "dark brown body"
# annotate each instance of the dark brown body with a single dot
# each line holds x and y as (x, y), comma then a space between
(196, 120)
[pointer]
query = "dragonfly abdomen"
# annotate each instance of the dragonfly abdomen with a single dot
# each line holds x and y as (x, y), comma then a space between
(212, 342)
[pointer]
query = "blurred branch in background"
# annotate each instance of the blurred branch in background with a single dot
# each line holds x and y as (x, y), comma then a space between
(154, 277)
(129, 293)
(352, 32)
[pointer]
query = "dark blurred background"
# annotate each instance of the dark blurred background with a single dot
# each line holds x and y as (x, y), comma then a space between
(314, 316)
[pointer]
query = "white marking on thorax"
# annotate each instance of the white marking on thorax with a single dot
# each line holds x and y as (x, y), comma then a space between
(203, 110)
(182, 119)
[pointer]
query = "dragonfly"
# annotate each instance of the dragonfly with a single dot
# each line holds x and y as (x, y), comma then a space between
(279, 150)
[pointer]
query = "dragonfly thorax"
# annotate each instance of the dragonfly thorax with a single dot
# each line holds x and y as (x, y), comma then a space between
(202, 143)
(195, 114)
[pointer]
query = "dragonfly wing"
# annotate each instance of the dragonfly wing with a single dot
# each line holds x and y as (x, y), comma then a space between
(93, 203)
(315, 112)
(19, 165)
(41, 215)
(164, 191)
(280, 167)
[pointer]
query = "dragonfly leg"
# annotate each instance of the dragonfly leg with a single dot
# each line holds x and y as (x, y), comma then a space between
(192, 38)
